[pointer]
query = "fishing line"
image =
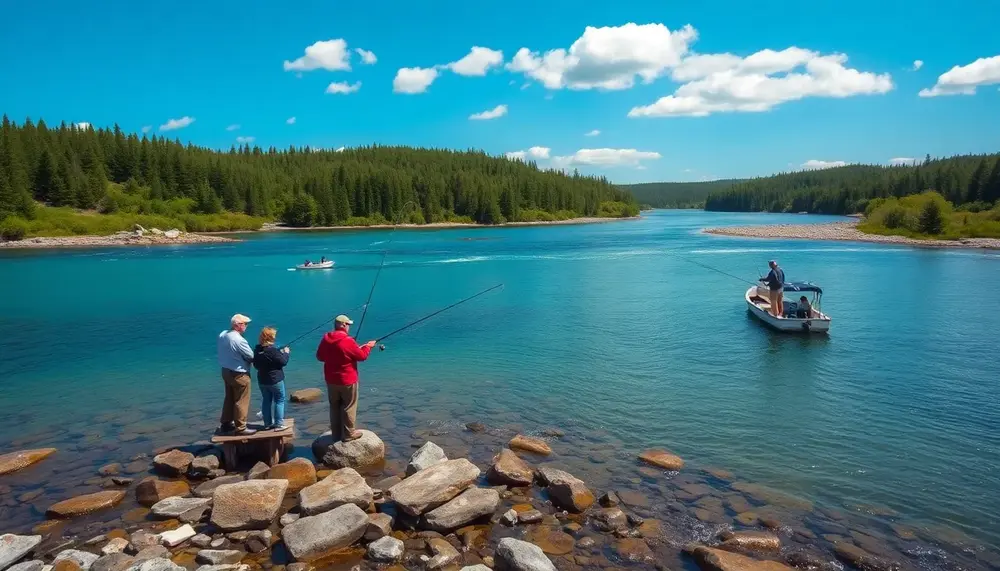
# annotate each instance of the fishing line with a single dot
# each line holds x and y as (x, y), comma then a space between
(425, 318)
(300, 337)
(707, 267)
(385, 251)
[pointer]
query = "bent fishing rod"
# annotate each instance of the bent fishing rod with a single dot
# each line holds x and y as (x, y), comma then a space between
(307, 333)
(399, 218)
(425, 318)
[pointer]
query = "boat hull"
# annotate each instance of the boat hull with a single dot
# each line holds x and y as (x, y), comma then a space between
(322, 266)
(818, 325)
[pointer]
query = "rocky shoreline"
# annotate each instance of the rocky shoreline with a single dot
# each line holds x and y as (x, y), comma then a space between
(138, 237)
(847, 232)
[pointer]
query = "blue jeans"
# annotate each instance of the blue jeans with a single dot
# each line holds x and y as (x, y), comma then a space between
(273, 394)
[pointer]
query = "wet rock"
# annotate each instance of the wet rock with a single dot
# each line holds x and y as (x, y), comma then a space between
(207, 489)
(122, 481)
(634, 550)
(201, 540)
(904, 532)
(258, 471)
(572, 527)
(552, 541)
(82, 559)
(767, 495)
(171, 508)
(34, 565)
(385, 550)
(306, 395)
(219, 556)
(586, 543)
(475, 427)
(379, 526)
(565, 490)
(804, 560)
(313, 536)
(760, 541)
(529, 517)
(516, 555)
(110, 469)
(136, 466)
(344, 486)
(253, 504)
(158, 564)
(634, 499)
(299, 473)
(720, 560)
(14, 461)
(529, 444)
(115, 545)
(770, 523)
(609, 500)
(610, 520)
(85, 504)
(175, 537)
(467, 507)
(173, 463)
(509, 517)
(426, 456)
(635, 520)
(13, 548)
(434, 486)
(365, 452)
(861, 559)
(113, 562)
(202, 466)
(509, 470)
(444, 554)
(663, 459)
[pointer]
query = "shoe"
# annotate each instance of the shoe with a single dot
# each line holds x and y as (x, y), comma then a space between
(226, 428)
(279, 427)
(245, 432)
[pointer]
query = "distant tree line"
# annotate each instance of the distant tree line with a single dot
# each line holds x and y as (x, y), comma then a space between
(676, 194)
(970, 181)
(108, 170)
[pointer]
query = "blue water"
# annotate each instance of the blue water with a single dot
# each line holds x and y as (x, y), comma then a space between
(605, 331)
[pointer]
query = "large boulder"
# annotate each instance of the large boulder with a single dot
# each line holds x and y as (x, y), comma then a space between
(13, 548)
(663, 459)
(14, 461)
(365, 452)
(529, 444)
(174, 507)
(710, 559)
(152, 490)
(509, 470)
(344, 486)
(516, 555)
(311, 537)
(433, 487)
(468, 506)
(253, 504)
(307, 395)
(85, 504)
(426, 456)
(385, 550)
(173, 463)
(207, 489)
(565, 490)
(299, 473)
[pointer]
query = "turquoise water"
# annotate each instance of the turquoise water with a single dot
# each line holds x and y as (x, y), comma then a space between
(605, 331)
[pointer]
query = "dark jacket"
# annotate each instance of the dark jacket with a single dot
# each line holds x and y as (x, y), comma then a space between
(775, 279)
(269, 362)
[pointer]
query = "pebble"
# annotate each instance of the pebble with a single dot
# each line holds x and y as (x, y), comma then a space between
(288, 518)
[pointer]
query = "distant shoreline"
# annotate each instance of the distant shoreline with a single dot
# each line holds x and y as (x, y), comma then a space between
(274, 227)
(845, 232)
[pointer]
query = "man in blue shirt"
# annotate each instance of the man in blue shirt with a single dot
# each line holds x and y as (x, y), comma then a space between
(235, 357)
(775, 281)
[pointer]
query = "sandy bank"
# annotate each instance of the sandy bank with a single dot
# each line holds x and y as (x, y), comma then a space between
(845, 231)
(118, 239)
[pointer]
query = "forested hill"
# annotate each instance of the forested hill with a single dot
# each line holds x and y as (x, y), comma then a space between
(972, 180)
(73, 167)
(676, 194)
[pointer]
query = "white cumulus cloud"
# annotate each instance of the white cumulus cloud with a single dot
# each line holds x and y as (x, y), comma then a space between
(903, 161)
(593, 133)
(917, 64)
(414, 79)
(245, 140)
(605, 158)
(331, 55)
(290, 121)
(607, 58)
(478, 61)
(718, 83)
(367, 57)
(343, 88)
(964, 79)
(533, 152)
(815, 165)
(233, 127)
(496, 112)
(83, 125)
(177, 123)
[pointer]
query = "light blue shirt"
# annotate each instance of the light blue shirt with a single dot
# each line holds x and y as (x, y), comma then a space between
(234, 352)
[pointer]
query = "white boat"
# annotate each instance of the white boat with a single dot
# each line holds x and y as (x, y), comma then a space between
(759, 305)
(316, 266)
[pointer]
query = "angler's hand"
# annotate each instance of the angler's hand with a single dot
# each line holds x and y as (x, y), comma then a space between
(285, 349)
(370, 344)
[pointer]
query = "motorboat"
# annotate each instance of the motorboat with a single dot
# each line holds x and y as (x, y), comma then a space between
(759, 305)
(316, 266)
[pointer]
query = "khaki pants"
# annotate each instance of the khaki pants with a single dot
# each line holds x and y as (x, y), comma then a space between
(343, 409)
(237, 403)
(777, 302)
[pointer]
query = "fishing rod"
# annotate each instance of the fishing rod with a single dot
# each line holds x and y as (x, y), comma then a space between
(399, 217)
(707, 267)
(425, 318)
(304, 335)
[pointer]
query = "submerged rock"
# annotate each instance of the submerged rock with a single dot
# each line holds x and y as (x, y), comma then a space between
(858, 557)
(609, 500)
(752, 541)
(719, 560)
(509, 470)
(565, 490)
(663, 459)
(14, 461)
(529, 444)
(298, 472)
(610, 520)
(475, 427)
(467, 507)
(253, 504)
(385, 550)
(314, 536)
(173, 463)
(426, 456)
(306, 395)
(633, 549)
(551, 541)
(516, 555)
(434, 486)
(85, 504)
(365, 452)
(344, 486)
(13, 548)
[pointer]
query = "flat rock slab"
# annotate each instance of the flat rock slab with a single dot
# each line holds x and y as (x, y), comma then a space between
(13, 548)
(509, 470)
(529, 444)
(566, 490)
(14, 461)
(307, 395)
(85, 504)
(299, 473)
(253, 504)
(207, 489)
(171, 508)
(426, 456)
(175, 537)
(344, 486)
(718, 560)
(467, 507)
(173, 463)
(434, 486)
(311, 537)
(663, 459)
(365, 452)
(516, 555)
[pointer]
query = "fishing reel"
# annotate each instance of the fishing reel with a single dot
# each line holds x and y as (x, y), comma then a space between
(381, 347)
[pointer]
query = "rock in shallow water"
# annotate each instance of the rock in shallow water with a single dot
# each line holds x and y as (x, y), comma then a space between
(468, 506)
(203, 466)
(426, 456)
(719, 560)
(207, 489)
(152, 490)
(858, 557)
(434, 486)
(510, 470)
(306, 395)
(14, 461)
(173, 463)
(344, 486)
(13, 548)
(314, 536)
(85, 504)
(385, 550)
(663, 459)
(565, 490)
(253, 504)
(529, 444)
(365, 452)
(761, 541)
(516, 555)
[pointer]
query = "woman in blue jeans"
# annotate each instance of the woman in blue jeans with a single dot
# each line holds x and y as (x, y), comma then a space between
(270, 364)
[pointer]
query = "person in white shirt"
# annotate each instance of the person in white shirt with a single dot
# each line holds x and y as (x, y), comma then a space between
(235, 358)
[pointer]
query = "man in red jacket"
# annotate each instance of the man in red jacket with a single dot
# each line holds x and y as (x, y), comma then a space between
(340, 355)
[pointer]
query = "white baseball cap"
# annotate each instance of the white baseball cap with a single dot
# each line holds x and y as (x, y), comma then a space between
(239, 318)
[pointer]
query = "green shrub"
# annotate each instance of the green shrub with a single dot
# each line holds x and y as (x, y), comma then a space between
(13, 228)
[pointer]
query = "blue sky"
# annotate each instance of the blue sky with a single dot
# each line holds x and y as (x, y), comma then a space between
(653, 77)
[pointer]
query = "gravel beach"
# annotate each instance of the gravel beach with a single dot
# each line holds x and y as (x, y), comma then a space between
(119, 239)
(845, 231)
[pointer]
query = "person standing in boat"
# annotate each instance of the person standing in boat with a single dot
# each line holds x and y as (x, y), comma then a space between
(270, 364)
(340, 355)
(775, 281)
(235, 356)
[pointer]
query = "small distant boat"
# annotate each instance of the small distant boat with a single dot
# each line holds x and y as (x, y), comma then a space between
(759, 305)
(316, 266)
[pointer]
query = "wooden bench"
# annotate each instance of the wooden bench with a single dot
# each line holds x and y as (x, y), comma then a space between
(267, 443)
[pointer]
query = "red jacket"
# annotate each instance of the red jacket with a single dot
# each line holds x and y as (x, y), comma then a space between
(340, 355)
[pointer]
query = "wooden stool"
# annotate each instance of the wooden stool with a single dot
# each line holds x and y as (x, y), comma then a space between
(267, 443)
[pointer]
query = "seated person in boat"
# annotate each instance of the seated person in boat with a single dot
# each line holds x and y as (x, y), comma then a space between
(322, 260)
(308, 263)
(804, 309)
